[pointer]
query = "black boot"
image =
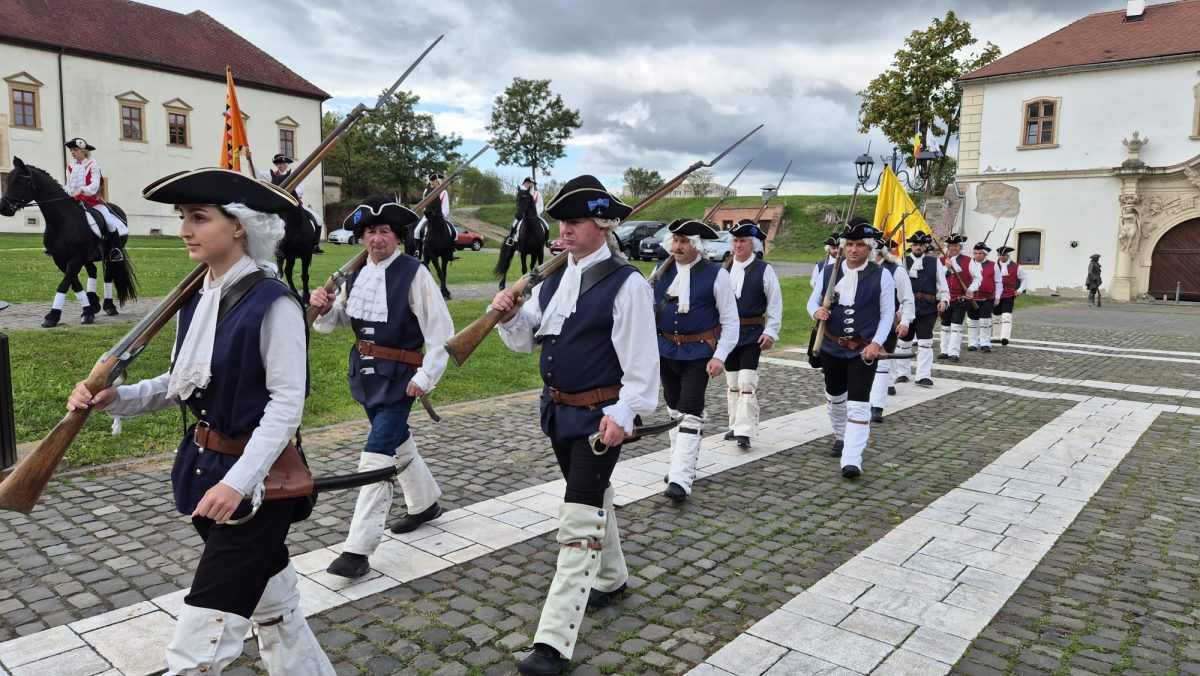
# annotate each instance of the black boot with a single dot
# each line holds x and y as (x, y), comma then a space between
(410, 522)
(675, 492)
(851, 472)
(892, 390)
(51, 318)
(110, 308)
(599, 599)
(836, 450)
(729, 435)
(543, 661)
(349, 565)
(743, 442)
(317, 250)
(925, 382)
(876, 414)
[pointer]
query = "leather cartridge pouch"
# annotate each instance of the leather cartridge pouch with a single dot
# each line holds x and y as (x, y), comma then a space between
(289, 476)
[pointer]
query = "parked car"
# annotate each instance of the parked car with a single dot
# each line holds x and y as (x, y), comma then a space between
(651, 248)
(467, 239)
(720, 248)
(342, 236)
(631, 234)
(557, 247)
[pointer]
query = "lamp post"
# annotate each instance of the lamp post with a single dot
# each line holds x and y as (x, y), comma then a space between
(864, 165)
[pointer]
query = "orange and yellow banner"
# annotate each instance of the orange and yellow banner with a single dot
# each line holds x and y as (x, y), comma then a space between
(233, 141)
(891, 208)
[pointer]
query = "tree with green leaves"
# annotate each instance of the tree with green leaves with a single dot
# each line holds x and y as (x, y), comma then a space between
(641, 182)
(530, 125)
(699, 181)
(920, 89)
(355, 159)
(410, 146)
(479, 187)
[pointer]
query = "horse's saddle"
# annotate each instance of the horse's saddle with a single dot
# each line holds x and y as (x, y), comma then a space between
(95, 217)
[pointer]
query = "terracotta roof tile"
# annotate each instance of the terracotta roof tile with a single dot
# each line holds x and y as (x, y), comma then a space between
(127, 31)
(1166, 29)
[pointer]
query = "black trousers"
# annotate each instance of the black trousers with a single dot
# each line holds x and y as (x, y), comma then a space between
(237, 561)
(1004, 306)
(684, 383)
(922, 327)
(956, 311)
(984, 309)
(587, 474)
(743, 357)
(852, 376)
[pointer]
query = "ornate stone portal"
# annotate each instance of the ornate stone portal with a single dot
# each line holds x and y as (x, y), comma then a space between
(1152, 201)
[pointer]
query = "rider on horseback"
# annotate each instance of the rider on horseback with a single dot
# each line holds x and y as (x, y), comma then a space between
(277, 176)
(442, 205)
(83, 183)
(529, 210)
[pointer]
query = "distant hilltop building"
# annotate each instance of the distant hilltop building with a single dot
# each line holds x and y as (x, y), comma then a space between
(704, 190)
(1088, 142)
(146, 87)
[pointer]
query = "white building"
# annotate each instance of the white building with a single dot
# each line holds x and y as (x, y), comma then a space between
(146, 87)
(1088, 141)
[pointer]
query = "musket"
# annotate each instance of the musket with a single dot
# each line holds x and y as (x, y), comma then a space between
(827, 298)
(709, 213)
(957, 274)
(728, 264)
(462, 344)
(21, 488)
(989, 232)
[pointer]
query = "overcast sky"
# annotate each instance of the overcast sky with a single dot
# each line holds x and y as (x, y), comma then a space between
(658, 84)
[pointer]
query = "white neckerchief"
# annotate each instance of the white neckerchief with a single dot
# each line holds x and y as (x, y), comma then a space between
(917, 265)
(737, 275)
(1002, 267)
(193, 361)
(562, 305)
(368, 299)
(681, 286)
(847, 286)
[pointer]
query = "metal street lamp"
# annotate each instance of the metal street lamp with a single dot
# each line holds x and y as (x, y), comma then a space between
(924, 165)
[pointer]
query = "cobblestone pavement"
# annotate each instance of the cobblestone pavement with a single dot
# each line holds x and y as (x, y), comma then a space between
(752, 538)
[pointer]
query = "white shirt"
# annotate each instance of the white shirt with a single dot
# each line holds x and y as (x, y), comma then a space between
(425, 299)
(977, 279)
(1022, 278)
(774, 301)
(904, 293)
(85, 176)
(633, 339)
(282, 347)
(887, 300)
(818, 269)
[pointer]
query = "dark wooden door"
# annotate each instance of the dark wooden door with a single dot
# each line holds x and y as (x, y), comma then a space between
(1177, 260)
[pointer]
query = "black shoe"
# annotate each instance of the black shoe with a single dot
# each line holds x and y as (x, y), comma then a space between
(986, 348)
(349, 565)
(900, 379)
(743, 442)
(543, 661)
(51, 319)
(317, 250)
(410, 522)
(925, 382)
(971, 348)
(1004, 341)
(93, 302)
(675, 492)
(88, 317)
(599, 599)
(891, 390)
(110, 308)
(836, 450)
(876, 414)
(666, 478)
(729, 435)
(851, 472)
(943, 356)
(954, 358)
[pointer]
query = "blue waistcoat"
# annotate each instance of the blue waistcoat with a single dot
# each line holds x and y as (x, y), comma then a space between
(235, 398)
(859, 320)
(753, 302)
(385, 387)
(701, 316)
(581, 357)
(925, 282)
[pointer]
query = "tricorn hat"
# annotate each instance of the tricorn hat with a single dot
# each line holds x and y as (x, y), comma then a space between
(689, 227)
(1095, 257)
(832, 240)
(982, 246)
(436, 177)
(280, 158)
(956, 239)
(919, 238)
(79, 143)
(1004, 250)
(529, 180)
(860, 229)
(211, 185)
(376, 210)
(748, 228)
(586, 197)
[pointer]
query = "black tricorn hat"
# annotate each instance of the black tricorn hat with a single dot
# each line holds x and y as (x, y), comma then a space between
(1095, 257)
(436, 177)
(211, 185)
(982, 246)
(748, 228)
(529, 180)
(377, 210)
(833, 240)
(920, 238)
(79, 143)
(1004, 250)
(689, 227)
(860, 229)
(956, 239)
(586, 197)
(280, 158)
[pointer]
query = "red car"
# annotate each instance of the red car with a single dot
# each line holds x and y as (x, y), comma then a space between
(556, 246)
(467, 239)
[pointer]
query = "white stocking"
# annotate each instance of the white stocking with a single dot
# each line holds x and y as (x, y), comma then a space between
(883, 380)
(836, 405)
(858, 430)
(924, 358)
(371, 510)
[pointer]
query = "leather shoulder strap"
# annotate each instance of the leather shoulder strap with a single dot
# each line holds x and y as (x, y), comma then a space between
(600, 271)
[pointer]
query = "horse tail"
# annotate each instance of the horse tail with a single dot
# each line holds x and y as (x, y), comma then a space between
(123, 278)
(506, 255)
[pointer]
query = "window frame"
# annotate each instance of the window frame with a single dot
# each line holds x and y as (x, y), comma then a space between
(1041, 234)
(133, 101)
(1055, 120)
(181, 108)
(26, 84)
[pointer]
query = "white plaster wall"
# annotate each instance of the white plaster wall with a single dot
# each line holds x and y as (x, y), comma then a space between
(1097, 110)
(92, 112)
(1066, 210)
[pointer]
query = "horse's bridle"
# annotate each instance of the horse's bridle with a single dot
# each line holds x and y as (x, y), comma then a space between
(27, 177)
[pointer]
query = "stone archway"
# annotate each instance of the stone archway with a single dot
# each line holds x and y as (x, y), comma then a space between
(1176, 261)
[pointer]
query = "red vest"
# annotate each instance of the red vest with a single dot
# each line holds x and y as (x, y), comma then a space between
(957, 291)
(1010, 281)
(90, 200)
(987, 287)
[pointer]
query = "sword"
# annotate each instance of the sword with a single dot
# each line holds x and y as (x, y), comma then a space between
(894, 355)
(638, 432)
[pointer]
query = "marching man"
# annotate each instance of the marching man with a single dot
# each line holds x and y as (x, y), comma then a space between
(927, 277)
(1013, 281)
(881, 386)
(958, 279)
(985, 290)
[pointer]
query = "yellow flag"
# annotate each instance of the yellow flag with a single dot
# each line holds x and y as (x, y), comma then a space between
(891, 208)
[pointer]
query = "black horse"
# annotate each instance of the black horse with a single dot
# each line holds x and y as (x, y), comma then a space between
(437, 247)
(300, 235)
(530, 243)
(68, 238)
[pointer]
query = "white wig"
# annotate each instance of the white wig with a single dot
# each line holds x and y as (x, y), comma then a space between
(263, 231)
(608, 225)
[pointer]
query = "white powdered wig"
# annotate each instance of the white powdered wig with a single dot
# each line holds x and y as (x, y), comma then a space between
(608, 225)
(263, 231)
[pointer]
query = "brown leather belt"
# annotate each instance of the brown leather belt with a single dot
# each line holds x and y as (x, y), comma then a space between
(369, 349)
(753, 321)
(710, 337)
(589, 398)
(925, 296)
(289, 476)
(853, 343)
(211, 439)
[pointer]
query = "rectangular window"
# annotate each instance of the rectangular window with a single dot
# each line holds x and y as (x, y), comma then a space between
(1029, 248)
(1039, 123)
(177, 128)
(131, 123)
(24, 108)
(287, 142)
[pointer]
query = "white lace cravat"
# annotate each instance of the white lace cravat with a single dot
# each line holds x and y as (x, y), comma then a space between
(368, 298)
